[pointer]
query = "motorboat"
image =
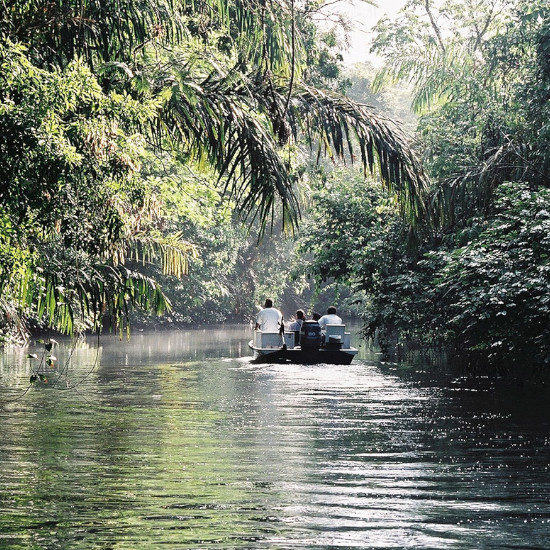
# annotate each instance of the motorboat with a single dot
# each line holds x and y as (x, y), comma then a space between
(332, 347)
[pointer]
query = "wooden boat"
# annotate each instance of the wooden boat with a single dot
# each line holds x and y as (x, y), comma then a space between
(273, 347)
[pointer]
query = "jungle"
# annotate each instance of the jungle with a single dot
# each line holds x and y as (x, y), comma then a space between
(172, 163)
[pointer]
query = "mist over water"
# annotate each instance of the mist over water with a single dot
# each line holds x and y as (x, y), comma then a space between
(175, 440)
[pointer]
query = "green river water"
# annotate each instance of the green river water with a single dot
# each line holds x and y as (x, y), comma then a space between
(174, 440)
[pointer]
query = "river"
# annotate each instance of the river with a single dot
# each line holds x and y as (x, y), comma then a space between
(175, 440)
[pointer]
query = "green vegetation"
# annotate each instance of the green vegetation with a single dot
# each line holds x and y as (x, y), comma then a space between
(474, 282)
(109, 109)
(137, 137)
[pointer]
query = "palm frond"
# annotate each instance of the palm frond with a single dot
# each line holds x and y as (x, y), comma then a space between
(433, 74)
(217, 120)
(107, 31)
(264, 31)
(472, 189)
(96, 30)
(341, 126)
(107, 291)
(233, 122)
(171, 252)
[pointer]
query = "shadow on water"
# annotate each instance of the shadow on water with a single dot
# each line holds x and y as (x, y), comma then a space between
(174, 439)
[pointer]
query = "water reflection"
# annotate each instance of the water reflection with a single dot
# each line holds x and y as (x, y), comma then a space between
(172, 439)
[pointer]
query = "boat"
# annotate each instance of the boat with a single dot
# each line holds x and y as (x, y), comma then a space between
(334, 347)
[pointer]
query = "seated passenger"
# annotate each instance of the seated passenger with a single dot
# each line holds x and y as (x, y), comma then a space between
(330, 318)
(300, 318)
(296, 326)
(269, 319)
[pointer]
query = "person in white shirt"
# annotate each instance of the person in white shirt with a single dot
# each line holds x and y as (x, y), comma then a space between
(269, 319)
(330, 318)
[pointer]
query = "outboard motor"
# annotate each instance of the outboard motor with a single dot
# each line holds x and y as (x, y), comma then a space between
(310, 336)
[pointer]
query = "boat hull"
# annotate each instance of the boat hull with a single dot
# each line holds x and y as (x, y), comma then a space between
(297, 355)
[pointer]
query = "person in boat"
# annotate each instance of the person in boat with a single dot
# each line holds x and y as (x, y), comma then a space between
(316, 316)
(296, 326)
(330, 318)
(269, 319)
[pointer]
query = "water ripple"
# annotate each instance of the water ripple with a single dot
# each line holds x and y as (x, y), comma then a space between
(172, 441)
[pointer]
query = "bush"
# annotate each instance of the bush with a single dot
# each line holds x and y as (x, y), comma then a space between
(496, 288)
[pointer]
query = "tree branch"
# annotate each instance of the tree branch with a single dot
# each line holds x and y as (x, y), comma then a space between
(293, 63)
(434, 25)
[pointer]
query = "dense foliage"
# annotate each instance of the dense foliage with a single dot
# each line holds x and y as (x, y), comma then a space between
(474, 283)
(481, 296)
(495, 289)
(136, 137)
(72, 206)
(481, 83)
(105, 106)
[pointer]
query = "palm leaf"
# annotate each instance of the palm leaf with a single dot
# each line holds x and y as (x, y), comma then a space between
(238, 124)
(346, 126)
(171, 252)
(106, 31)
